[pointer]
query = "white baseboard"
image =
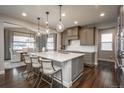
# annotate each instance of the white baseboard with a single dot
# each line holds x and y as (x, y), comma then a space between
(2, 72)
(78, 77)
(69, 84)
(109, 60)
(66, 84)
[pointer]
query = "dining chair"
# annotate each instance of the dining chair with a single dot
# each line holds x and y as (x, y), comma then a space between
(15, 57)
(48, 69)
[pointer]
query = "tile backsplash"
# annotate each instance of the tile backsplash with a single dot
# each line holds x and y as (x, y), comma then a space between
(75, 45)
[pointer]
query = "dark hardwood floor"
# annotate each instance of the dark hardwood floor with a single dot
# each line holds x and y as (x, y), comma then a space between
(101, 76)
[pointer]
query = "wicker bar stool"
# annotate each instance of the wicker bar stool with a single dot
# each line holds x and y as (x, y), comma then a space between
(35, 68)
(27, 70)
(48, 69)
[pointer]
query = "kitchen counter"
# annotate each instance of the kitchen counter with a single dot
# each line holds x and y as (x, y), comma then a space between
(80, 51)
(71, 64)
(59, 56)
(89, 57)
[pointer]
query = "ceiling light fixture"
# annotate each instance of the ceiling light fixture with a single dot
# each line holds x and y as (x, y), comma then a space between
(46, 22)
(102, 14)
(60, 26)
(63, 14)
(38, 25)
(47, 25)
(75, 22)
(24, 14)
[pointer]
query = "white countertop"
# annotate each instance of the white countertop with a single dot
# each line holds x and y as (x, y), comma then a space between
(57, 56)
(80, 51)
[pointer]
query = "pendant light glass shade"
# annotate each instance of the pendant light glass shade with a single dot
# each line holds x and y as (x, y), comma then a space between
(60, 26)
(47, 25)
(38, 32)
(47, 29)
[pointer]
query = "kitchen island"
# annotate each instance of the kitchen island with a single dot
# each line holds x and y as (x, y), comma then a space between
(70, 63)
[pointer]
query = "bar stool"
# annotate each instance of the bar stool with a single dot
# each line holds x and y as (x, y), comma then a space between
(48, 69)
(27, 70)
(35, 68)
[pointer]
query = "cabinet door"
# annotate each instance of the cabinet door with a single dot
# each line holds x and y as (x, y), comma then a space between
(77, 67)
(90, 36)
(75, 31)
(64, 38)
(82, 35)
(74, 69)
(69, 32)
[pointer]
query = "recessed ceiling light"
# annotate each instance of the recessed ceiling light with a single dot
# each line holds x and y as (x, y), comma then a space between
(102, 14)
(75, 22)
(24, 14)
(63, 14)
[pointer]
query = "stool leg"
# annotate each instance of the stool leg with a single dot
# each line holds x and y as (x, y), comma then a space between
(25, 71)
(39, 80)
(61, 79)
(28, 69)
(51, 85)
(35, 83)
(37, 76)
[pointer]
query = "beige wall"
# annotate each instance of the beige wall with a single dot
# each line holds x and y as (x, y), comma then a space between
(106, 55)
(1, 47)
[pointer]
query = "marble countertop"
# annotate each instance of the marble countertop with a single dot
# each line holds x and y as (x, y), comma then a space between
(58, 56)
(80, 51)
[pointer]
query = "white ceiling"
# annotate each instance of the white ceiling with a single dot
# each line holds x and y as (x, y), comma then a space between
(8, 25)
(84, 14)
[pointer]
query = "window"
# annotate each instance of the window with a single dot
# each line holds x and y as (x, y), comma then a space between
(21, 41)
(50, 42)
(106, 41)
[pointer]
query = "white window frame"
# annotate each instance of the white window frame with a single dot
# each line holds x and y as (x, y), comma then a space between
(106, 42)
(25, 35)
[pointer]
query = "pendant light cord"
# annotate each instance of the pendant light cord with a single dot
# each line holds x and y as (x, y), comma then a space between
(47, 13)
(60, 12)
(38, 23)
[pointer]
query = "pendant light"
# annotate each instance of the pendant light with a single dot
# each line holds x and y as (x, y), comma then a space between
(38, 21)
(47, 26)
(60, 26)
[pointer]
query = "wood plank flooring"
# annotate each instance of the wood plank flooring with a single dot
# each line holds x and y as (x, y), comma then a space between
(101, 76)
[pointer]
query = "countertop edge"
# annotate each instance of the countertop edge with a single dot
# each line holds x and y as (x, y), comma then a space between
(77, 51)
